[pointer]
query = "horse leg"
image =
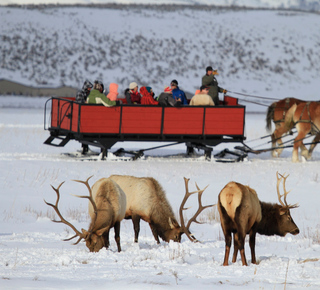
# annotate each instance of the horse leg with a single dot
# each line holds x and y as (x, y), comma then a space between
(313, 145)
(276, 138)
(298, 143)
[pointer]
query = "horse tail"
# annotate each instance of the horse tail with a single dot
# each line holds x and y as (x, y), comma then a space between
(270, 114)
(288, 121)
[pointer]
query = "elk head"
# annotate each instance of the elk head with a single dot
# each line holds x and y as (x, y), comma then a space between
(286, 223)
(93, 237)
(185, 228)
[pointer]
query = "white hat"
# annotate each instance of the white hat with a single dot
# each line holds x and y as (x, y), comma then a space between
(132, 85)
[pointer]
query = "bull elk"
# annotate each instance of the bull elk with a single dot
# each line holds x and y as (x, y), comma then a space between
(242, 213)
(147, 200)
(108, 202)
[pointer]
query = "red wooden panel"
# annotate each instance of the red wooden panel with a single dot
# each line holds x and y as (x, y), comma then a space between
(143, 120)
(183, 121)
(75, 117)
(64, 112)
(224, 121)
(54, 113)
(99, 119)
(230, 101)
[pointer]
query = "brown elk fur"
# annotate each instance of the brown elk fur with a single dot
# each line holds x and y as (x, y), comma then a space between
(111, 204)
(306, 117)
(276, 112)
(242, 213)
(147, 200)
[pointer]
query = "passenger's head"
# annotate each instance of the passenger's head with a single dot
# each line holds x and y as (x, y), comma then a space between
(149, 89)
(204, 89)
(98, 85)
(133, 86)
(168, 90)
(211, 71)
(174, 84)
(87, 86)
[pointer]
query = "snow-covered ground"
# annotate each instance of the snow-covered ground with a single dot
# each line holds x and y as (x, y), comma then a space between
(33, 255)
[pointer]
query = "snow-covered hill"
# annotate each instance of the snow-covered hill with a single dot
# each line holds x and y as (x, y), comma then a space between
(311, 5)
(269, 53)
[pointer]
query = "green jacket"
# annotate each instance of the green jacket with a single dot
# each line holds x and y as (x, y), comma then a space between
(95, 97)
(214, 89)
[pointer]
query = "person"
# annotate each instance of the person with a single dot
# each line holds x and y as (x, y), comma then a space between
(165, 99)
(132, 94)
(96, 96)
(177, 93)
(209, 80)
(82, 95)
(147, 98)
(150, 90)
(113, 92)
(202, 98)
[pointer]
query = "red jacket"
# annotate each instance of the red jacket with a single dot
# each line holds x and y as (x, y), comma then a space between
(147, 99)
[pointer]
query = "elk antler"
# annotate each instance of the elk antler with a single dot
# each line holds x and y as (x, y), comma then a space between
(91, 200)
(284, 195)
(63, 220)
(200, 209)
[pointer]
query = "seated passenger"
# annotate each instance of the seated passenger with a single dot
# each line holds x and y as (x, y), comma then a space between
(97, 97)
(202, 98)
(166, 100)
(82, 95)
(150, 90)
(113, 92)
(147, 98)
(132, 94)
(177, 93)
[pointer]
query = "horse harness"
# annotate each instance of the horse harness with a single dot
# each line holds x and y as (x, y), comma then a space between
(285, 109)
(314, 129)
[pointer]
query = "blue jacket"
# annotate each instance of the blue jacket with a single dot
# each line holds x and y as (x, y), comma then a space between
(177, 93)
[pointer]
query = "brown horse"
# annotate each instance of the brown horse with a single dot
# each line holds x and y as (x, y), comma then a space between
(276, 113)
(306, 118)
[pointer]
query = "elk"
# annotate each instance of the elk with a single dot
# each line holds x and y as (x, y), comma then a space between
(306, 118)
(242, 213)
(108, 203)
(147, 200)
(276, 112)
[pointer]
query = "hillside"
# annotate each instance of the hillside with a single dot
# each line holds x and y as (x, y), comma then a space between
(272, 53)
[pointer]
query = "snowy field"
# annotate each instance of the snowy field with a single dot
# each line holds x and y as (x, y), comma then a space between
(33, 255)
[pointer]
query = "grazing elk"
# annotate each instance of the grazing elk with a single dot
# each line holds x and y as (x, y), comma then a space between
(276, 112)
(147, 200)
(242, 213)
(306, 118)
(108, 203)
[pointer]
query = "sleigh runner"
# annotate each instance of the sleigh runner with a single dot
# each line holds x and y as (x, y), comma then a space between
(96, 125)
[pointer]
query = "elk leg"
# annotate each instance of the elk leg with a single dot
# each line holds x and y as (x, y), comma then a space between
(236, 248)
(117, 235)
(252, 243)
(155, 233)
(106, 239)
(228, 240)
(136, 227)
(240, 240)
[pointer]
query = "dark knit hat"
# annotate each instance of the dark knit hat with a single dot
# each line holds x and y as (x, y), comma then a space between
(174, 83)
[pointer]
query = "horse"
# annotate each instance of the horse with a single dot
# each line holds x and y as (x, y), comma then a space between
(276, 112)
(306, 118)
